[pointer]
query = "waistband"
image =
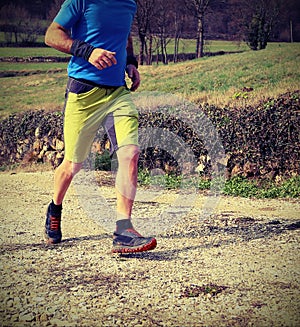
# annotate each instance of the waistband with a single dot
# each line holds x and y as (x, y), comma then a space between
(94, 84)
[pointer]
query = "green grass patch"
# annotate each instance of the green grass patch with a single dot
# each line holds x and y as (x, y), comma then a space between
(255, 69)
(25, 52)
(236, 186)
(240, 186)
(40, 91)
(185, 46)
(33, 67)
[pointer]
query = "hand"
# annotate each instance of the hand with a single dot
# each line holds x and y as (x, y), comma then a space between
(134, 75)
(102, 59)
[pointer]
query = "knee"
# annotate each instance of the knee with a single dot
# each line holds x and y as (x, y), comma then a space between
(76, 167)
(128, 153)
(70, 168)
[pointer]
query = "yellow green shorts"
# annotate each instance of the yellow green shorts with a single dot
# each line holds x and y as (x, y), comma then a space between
(87, 108)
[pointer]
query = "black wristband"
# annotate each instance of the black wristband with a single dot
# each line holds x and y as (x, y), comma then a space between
(131, 60)
(81, 49)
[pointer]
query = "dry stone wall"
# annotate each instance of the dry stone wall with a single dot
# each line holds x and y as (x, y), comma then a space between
(260, 142)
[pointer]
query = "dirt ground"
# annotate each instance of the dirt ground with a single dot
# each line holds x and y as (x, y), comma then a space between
(237, 266)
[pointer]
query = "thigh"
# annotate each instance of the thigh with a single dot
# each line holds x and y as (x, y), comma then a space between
(121, 123)
(82, 118)
(121, 131)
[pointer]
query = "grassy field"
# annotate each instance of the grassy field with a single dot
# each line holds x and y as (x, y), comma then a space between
(221, 80)
(218, 80)
(30, 52)
(185, 46)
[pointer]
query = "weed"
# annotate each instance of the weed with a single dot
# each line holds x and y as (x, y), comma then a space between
(239, 95)
(103, 161)
(236, 186)
(240, 186)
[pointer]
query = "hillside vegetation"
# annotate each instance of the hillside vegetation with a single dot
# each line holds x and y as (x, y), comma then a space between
(228, 80)
(232, 79)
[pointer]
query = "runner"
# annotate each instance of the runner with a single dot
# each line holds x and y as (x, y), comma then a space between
(97, 34)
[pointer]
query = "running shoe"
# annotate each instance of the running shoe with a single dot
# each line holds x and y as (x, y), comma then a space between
(52, 228)
(130, 241)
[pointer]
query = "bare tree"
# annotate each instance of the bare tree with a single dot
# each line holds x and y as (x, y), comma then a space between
(180, 23)
(143, 22)
(198, 9)
(163, 21)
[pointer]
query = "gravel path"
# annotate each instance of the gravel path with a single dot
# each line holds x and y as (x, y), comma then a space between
(238, 267)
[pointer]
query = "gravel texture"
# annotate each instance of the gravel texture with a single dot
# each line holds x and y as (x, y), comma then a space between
(239, 266)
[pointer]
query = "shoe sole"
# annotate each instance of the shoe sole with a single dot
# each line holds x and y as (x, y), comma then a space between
(146, 247)
(49, 240)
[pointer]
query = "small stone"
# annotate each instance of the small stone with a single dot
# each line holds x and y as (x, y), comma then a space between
(39, 299)
(9, 302)
(43, 317)
(26, 317)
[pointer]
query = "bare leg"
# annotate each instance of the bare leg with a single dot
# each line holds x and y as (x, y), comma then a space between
(126, 180)
(126, 238)
(62, 179)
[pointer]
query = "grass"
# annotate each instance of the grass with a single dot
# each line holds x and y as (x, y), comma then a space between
(216, 80)
(236, 186)
(32, 67)
(185, 46)
(30, 52)
(41, 91)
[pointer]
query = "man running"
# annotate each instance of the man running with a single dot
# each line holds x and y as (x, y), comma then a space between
(97, 34)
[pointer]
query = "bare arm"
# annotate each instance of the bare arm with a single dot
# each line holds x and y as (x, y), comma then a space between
(131, 69)
(58, 38)
(129, 47)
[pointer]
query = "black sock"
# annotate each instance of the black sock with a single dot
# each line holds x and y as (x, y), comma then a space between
(55, 210)
(123, 224)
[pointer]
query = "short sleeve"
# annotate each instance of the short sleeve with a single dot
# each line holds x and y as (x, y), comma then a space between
(69, 13)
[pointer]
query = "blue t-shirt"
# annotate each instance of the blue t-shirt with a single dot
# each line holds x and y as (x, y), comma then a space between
(105, 24)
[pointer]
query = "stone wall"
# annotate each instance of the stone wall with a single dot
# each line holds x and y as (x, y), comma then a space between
(260, 142)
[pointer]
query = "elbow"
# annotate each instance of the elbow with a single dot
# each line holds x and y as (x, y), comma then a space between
(52, 34)
(47, 42)
(48, 39)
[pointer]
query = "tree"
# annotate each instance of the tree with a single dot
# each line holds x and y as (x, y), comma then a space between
(54, 9)
(288, 27)
(181, 23)
(156, 23)
(18, 23)
(198, 9)
(143, 23)
(38, 9)
(162, 22)
(260, 17)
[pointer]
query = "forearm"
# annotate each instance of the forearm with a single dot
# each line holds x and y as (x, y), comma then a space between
(130, 51)
(131, 60)
(58, 38)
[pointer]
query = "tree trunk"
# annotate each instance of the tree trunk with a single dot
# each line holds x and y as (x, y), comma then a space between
(291, 31)
(149, 57)
(176, 48)
(142, 37)
(200, 37)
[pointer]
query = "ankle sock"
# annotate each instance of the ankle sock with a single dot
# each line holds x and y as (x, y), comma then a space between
(55, 210)
(122, 225)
